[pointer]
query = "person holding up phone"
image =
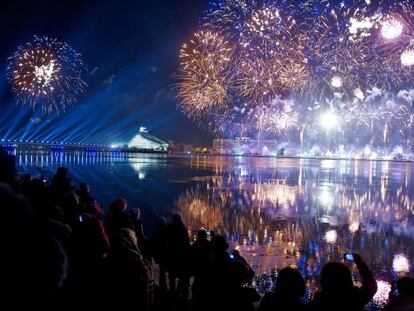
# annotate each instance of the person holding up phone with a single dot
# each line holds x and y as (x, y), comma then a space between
(402, 295)
(338, 290)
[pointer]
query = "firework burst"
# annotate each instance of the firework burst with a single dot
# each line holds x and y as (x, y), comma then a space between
(48, 73)
(204, 75)
(272, 61)
(295, 75)
(228, 17)
(339, 60)
(279, 121)
(393, 41)
(278, 117)
(349, 58)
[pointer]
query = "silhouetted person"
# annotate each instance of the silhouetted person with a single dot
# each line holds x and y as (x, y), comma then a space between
(84, 193)
(130, 282)
(143, 244)
(200, 252)
(402, 296)
(338, 291)
(25, 180)
(212, 234)
(405, 287)
(158, 244)
(33, 265)
(61, 183)
(70, 205)
(90, 237)
(221, 285)
(289, 290)
(116, 216)
(95, 212)
(89, 246)
(61, 230)
(7, 167)
(178, 245)
(38, 194)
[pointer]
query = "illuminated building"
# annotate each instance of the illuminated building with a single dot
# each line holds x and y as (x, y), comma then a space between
(145, 141)
(246, 146)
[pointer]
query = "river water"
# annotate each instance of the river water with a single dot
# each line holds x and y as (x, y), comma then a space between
(276, 212)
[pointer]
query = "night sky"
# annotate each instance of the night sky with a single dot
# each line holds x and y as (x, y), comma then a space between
(131, 49)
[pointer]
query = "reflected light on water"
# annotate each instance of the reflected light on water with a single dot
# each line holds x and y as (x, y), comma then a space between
(401, 264)
(275, 194)
(307, 215)
(353, 227)
(383, 291)
(278, 213)
(198, 212)
(325, 198)
(331, 236)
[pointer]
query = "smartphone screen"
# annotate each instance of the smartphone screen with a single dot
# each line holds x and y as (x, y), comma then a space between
(349, 257)
(395, 291)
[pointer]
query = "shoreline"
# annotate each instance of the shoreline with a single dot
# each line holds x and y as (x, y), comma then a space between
(294, 157)
(71, 148)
